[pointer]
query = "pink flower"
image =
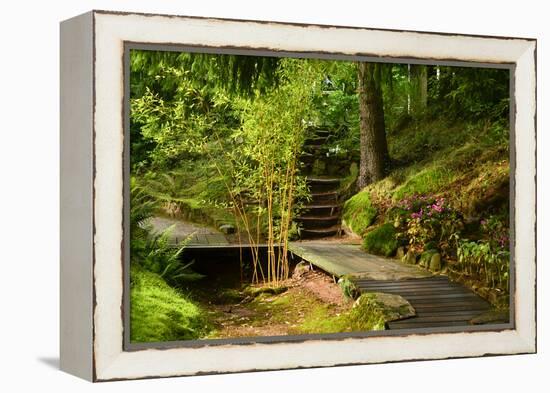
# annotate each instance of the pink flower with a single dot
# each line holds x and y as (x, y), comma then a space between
(417, 215)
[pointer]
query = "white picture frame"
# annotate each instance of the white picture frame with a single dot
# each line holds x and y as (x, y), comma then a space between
(93, 157)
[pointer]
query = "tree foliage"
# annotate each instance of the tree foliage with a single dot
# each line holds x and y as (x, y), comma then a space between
(225, 132)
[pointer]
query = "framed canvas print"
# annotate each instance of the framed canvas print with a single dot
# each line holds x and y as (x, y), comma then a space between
(245, 195)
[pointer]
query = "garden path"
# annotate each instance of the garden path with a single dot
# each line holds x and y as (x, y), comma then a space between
(437, 301)
(340, 259)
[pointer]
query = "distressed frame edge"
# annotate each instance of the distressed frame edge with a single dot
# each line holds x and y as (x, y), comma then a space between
(528, 341)
(76, 285)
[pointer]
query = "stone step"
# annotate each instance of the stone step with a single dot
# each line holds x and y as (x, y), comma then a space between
(311, 222)
(315, 206)
(322, 132)
(322, 184)
(315, 233)
(327, 209)
(323, 197)
(319, 152)
(323, 180)
(307, 158)
(315, 141)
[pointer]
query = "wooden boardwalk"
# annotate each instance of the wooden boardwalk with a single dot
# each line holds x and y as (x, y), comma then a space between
(208, 240)
(341, 259)
(437, 301)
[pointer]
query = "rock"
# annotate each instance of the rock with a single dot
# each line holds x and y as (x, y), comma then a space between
(392, 307)
(400, 253)
(410, 257)
(227, 229)
(301, 269)
(426, 257)
(435, 262)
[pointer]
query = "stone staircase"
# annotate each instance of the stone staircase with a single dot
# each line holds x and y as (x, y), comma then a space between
(322, 214)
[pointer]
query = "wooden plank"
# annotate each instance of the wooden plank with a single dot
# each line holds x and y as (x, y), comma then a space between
(408, 324)
(441, 318)
(409, 280)
(471, 313)
(410, 285)
(413, 291)
(453, 303)
(464, 296)
(216, 239)
(447, 308)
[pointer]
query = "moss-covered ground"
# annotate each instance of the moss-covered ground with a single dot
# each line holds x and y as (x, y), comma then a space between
(466, 163)
(161, 313)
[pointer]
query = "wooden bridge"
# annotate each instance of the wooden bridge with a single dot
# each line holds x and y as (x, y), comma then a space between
(437, 301)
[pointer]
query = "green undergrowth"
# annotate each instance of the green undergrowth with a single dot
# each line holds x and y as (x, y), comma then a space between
(195, 210)
(381, 240)
(159, 312)
(194, 191)
(438, 157)
(466, 163)
(294, 310)
(365, 315)
(359, 213)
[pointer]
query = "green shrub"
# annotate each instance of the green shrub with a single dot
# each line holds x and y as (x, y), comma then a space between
(159, 312)
(381, 240)
(359, 213)
(348, 287)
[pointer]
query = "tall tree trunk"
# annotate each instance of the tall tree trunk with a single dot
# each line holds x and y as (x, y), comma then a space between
(373, 144)
(419, 82)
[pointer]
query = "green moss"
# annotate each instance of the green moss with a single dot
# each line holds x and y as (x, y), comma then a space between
(365, 315)
(438, 157)
(158, 312)
(381, 240)
(348, 287)
(359, 213)
(425, 181)
(320, 321)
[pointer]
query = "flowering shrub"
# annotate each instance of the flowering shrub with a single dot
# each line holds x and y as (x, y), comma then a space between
(495, 230)
(425, 219)
(421, 220)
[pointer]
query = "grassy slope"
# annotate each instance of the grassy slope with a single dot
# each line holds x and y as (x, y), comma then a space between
(161, 313)
(466, 163)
